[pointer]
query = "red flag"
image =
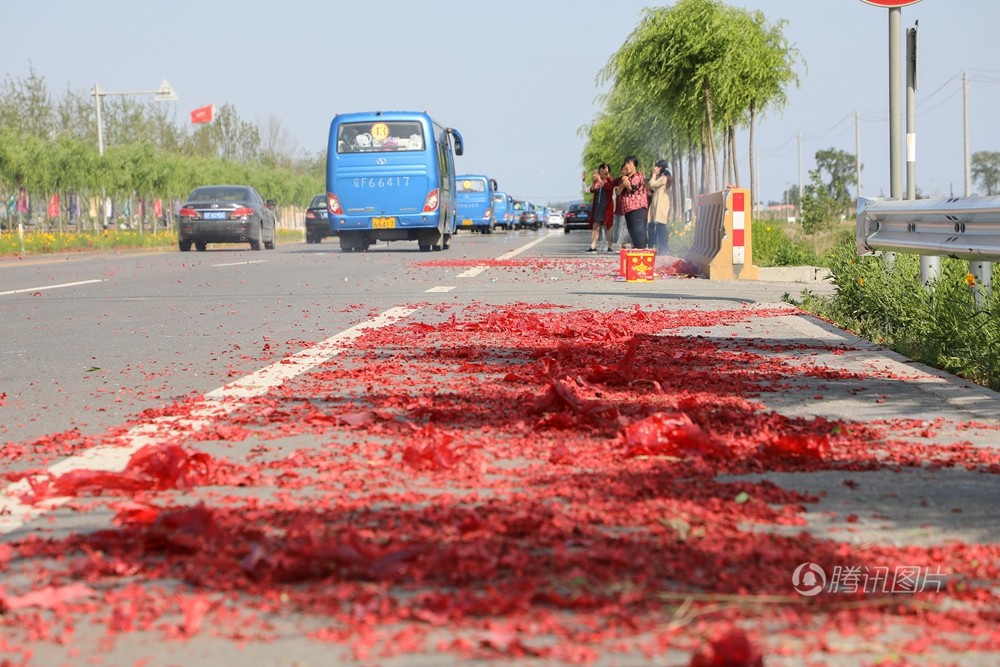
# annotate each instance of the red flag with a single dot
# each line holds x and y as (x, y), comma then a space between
(54, 206)
(203, 114)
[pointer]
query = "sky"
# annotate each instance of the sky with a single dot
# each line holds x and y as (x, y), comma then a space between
(519, 78)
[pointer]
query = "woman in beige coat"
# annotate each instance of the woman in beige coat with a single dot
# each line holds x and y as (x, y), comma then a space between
(659, 206)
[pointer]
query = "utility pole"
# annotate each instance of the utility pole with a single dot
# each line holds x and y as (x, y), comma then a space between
(798, 204)
(857, 149)
(965, 133)
(895, 118)
(930, 265)
(981, 271)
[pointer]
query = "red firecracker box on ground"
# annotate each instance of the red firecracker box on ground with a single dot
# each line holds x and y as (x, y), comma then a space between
(637, 266)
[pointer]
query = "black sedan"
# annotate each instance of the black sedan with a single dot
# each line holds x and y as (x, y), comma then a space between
(577, 217)
(317, 223)
(226, 214)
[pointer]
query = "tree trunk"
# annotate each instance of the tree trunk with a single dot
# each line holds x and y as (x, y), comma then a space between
(733, 160)
(692, 165)
(752, 161)
(727, 165)
(710, 140)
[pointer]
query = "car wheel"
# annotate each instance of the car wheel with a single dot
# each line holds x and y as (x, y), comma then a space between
(255, 244)
(184, 245)
(201, 246)
(269, 245)
(565, 230)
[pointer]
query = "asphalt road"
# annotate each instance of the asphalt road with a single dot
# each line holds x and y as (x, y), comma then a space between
(90, 340)
(287, 365)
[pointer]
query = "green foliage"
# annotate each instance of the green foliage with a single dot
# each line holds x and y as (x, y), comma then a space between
(940, 325)
(773, 247)
(826, 196)
(839, 168)
(684, 71)
(50, 242)
(51, 147)
(110, 239)
(986, 170)
(819, 208)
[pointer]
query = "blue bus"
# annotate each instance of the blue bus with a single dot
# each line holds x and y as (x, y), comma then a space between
(503, 205)
(390, 176)
(474, 203)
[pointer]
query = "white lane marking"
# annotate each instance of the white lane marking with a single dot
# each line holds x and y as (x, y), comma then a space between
(526, 246)
(14, 514)
(39, 289)
(260, 382)
(441, 288)
(252, 261)
(476, 270)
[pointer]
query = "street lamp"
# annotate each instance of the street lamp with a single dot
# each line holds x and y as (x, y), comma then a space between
(161, 94)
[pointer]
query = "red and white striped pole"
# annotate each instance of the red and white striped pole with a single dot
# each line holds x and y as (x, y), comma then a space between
(739, 227)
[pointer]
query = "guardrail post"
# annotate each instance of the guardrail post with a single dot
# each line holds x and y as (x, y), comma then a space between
(930, 269)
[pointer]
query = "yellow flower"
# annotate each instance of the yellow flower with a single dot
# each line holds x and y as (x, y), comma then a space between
(861, 281)
(970, 279)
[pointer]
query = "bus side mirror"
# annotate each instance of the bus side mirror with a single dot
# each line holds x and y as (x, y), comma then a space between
(459, 144)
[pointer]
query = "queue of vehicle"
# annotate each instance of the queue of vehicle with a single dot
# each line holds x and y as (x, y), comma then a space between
(390, 177)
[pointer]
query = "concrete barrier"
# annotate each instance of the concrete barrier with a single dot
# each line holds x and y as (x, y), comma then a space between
(723, 248)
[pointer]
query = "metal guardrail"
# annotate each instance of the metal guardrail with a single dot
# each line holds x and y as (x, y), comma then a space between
(960, 227)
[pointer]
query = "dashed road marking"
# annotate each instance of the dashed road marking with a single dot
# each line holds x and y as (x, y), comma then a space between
(45, 287)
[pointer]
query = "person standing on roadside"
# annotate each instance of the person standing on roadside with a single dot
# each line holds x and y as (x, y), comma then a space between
(634, 201)
(659, 206)
(602, 210)
(619, 233)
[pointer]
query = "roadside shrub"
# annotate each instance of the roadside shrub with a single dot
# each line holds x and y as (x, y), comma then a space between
(110, 239)
(941, 325)
(772, 246)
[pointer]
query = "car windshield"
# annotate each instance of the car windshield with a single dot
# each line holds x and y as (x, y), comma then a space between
(380, 137)
(318, 201)
(219, 194)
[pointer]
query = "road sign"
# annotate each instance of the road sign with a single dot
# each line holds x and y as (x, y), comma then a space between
(891, 3)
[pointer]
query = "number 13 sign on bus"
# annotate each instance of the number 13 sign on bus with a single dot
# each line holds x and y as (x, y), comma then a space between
(890, 3)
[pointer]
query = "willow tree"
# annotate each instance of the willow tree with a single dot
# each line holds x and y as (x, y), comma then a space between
(702, 65)
(624, 128)
(758, 68)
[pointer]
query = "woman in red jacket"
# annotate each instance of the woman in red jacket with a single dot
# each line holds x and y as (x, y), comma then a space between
(635, 203)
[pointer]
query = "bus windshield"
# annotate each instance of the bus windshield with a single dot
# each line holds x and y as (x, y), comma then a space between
(380, 137)
(471, 185)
